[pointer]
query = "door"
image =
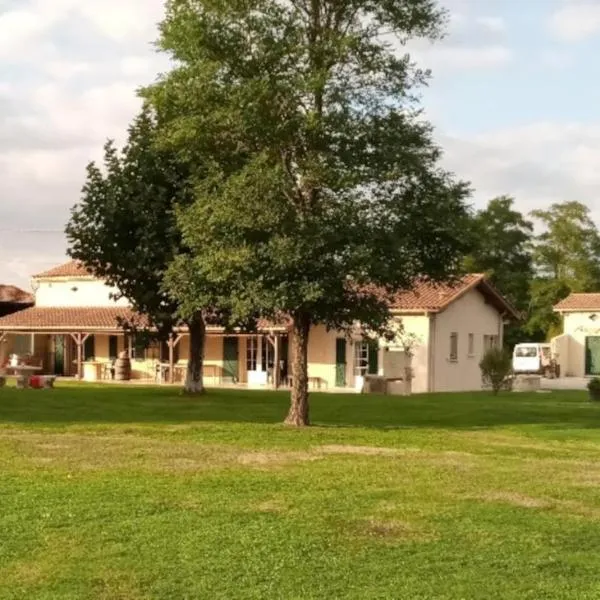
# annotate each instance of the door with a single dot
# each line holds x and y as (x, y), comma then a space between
(59, 355)
(230, 358)
(592, 355)
(340, 362)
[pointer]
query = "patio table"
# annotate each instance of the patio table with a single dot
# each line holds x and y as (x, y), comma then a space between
(24, 372)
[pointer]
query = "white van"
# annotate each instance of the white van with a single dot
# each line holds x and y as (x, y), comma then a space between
(532, 358)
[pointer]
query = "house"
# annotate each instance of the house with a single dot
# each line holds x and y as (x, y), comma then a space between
(75, 320)
(578, 348)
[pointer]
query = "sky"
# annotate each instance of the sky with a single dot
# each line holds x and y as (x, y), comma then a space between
(514, 98)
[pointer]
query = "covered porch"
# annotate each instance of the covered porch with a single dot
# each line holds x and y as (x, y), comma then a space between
(85, 343)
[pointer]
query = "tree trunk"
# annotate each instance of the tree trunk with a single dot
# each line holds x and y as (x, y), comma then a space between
(194, 381)
(298, 414)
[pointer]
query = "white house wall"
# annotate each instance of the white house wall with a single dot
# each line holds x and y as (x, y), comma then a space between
(470, 314)
(419, 326)
(75, 293)
(578, 326)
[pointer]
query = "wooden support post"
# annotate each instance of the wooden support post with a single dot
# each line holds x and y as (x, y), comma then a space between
(79, 357)
(276, 373)
(3, 352)
(171, 344)
(80, 340)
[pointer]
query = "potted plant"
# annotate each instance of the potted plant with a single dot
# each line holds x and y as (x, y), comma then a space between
(593, 387)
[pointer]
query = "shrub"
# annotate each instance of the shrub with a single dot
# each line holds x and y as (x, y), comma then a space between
(593, 387)
(496, 368)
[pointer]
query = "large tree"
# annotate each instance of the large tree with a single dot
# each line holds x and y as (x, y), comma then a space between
(566, 258)
(568, 249)
(124, 229)
(502, 249)
(319, 192)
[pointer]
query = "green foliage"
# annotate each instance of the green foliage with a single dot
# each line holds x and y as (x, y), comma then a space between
(568, 251)
(496, 367)
(125, 230)
(543, 323)
(319, 189)
(124, 227)
(593, 387)
(502, 249)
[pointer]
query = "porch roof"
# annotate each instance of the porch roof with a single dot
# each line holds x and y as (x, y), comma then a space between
(94, 319)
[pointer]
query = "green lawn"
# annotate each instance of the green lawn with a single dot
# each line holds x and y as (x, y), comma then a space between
(141, 493)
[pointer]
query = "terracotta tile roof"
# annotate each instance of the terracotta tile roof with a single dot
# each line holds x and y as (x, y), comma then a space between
(15, 295)
(73, 268)
(427, 296)
(89, 319)
(66, 319)
(579, 302)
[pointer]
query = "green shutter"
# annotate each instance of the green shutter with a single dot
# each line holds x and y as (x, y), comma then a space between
(89, 348)
(230, 358)
(113, 347)
(340, 362)
(373, 358)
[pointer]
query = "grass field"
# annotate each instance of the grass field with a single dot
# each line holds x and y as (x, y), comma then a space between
(141, 493)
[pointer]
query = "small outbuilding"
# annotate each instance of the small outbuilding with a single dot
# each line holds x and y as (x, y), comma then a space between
(577, 349)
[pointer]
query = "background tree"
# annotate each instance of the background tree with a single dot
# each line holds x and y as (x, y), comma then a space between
(502, 245)
(125, 230)
(324, 194)
(502, 249)
(568, 249)
(566, 258)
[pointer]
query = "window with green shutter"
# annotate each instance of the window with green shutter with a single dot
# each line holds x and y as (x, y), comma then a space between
(89, 348)
(113, 347)
(373, 358)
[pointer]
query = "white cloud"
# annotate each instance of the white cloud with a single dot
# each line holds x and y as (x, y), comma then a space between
(492, 24)
(72, 70)
(444, 57)
(556, 59)
(538, 163)
(575, 20)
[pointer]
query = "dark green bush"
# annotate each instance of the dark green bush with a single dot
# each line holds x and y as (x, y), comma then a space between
(496, 368)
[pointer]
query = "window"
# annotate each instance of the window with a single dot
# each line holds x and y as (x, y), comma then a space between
(471, 349)
(139, 343)
(23, 344)
(251, 353)
(113, 347)
(489, 341)
(164, 352)
(89, 348)
(526, 352)
(266, 354)
(453, 347)
(361, 358)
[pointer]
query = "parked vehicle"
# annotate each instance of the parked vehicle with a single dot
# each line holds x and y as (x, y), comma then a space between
(535, 359)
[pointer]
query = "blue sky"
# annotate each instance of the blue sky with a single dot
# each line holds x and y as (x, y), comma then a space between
(514, 98)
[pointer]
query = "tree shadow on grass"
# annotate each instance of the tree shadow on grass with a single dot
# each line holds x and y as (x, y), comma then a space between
(93, 404)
